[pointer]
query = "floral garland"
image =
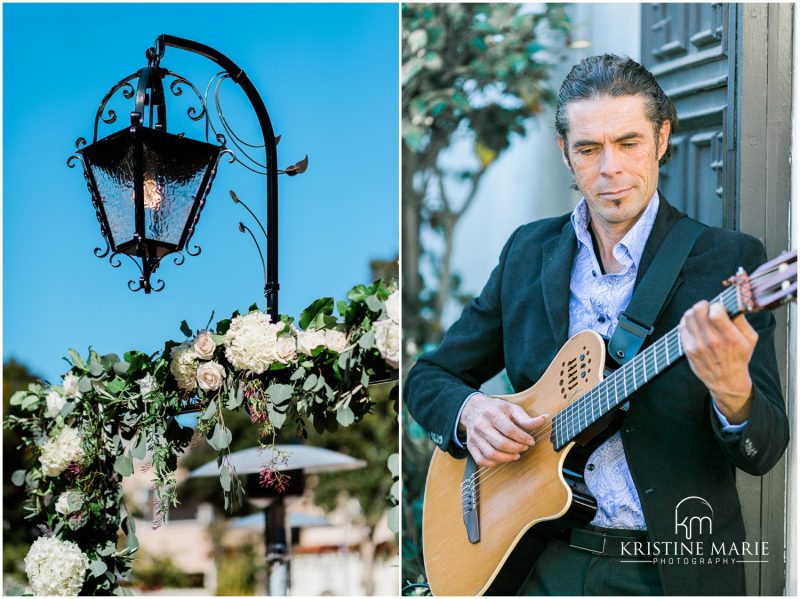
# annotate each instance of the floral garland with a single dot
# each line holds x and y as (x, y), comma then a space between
(84, 434)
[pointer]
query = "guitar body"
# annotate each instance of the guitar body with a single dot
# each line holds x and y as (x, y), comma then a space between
(512, 497)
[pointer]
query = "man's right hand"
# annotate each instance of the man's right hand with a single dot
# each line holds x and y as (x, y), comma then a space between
(497, 431)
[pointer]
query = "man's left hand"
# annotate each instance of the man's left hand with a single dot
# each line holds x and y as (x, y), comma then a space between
(719, 351)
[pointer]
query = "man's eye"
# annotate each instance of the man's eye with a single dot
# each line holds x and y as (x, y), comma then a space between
(629, 144)
(585, 151)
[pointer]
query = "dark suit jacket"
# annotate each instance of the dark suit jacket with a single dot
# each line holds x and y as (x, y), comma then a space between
(673, 442)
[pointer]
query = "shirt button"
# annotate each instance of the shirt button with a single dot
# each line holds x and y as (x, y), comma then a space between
(594, 273)
(590, 467)
(601, 319)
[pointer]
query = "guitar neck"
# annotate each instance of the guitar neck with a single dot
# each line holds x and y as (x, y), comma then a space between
(585, 411)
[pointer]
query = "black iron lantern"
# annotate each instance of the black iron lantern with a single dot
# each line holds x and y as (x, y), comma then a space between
(148, 186)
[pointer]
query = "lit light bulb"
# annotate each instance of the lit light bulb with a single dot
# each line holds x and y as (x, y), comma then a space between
(152, 194)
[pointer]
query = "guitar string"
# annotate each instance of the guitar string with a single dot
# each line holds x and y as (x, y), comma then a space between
(670, 341)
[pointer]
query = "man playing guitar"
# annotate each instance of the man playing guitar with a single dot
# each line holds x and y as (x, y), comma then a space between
(684, 434)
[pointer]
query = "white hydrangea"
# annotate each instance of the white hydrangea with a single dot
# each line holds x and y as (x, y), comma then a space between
(251, 342)
(387, 340)
(71, 386)
(59, 452)
(335, 340)
(184, 366)
(55, 567)
(393, 307)
(68, 502)
(55, 401)
(307, 341)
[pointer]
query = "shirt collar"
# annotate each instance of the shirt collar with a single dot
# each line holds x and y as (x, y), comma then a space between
(634, 240)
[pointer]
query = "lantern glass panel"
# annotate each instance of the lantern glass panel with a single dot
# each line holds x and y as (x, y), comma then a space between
(111, 162)
(174, 169)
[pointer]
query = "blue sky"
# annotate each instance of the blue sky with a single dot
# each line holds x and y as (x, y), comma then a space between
(328, 75)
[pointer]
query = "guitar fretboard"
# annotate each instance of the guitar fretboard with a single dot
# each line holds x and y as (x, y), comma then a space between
(623, 382)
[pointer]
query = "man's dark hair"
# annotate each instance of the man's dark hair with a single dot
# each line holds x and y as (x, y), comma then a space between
(611, 75)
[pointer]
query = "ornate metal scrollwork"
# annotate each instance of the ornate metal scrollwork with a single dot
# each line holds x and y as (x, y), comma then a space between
(177, 90)
(128, 92)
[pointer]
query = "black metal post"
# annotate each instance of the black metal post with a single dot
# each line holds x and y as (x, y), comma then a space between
(270, 148)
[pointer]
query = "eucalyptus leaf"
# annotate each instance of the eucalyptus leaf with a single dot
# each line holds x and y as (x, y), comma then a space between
(344, 357)
(365, 378)
(394, 519)
(235, 397)
(298, 374)
(221, 438)
(18, 478)
(345, 416)
(225, 478)
(116, 385)
(374, 304)
(17, 398)
(275, 417)
(123, 465)
(210, 411)
(96, 369)
(310, 382)
(394, 491)
(394, 464)
(109, 360)
(97, 568)
(84, 384)
(30, 402)
(121, 368)
(367, 340)
(279, 394)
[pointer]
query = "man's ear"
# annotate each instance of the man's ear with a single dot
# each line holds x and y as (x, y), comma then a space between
(564, 156)
(663, 138)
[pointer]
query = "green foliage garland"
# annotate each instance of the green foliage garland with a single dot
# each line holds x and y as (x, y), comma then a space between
(85, 434)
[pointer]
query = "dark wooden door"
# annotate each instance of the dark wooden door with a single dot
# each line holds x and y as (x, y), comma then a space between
(727, 68)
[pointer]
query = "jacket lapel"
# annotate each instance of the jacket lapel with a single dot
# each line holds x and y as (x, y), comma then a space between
(557, 257)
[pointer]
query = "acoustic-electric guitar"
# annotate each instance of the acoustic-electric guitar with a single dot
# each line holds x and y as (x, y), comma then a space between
(473, 517)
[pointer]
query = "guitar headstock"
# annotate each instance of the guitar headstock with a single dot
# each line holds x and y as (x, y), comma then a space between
(772, 284)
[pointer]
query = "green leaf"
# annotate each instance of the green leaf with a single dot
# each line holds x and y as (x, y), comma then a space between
(225, 478)
(185, 329)
(116, 385)
(16, 399)
(374, 304)
(121, 368)
(358, 293)
(364, 378)
(123, 465)
(97, 568)
(310, 382)
(298, 374)
(235, 397)
(76, 359)
(221, 438)
(394, 519)
(96, 369)
(367, 340)
(109, 360)
(30, 402)
(223, 326)
(84, 384)
(275, 417)
(18, 478)
(279, 394)
(139, 447)
(394, 464)
(345, 416)
(210, 411)
(342, 307)
(321, 306)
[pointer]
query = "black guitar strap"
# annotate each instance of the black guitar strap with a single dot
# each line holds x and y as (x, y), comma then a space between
(636, 322)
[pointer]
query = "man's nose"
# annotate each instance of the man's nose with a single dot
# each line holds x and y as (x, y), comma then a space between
(610, 162)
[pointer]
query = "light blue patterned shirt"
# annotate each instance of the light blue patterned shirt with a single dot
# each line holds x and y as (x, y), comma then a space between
(595, 302)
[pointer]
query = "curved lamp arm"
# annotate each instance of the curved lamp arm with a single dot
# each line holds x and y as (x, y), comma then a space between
(270, 148)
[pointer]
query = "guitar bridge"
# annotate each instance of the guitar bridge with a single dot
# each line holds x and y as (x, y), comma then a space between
(469, 501)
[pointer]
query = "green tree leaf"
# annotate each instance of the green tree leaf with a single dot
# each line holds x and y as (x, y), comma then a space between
(123, 465)
(318, 308)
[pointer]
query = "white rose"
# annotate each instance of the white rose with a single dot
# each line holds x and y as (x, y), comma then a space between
(55, 567)
(251, 342)
(55, 401)
(68, 502)
(286, 349)
(147, 384)
(210, 376)
(387, 340)
(71, 386)
(393, 307)
(204, 345)
(307, 341)
(184, 366)
(59, 452)
(335, 340)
